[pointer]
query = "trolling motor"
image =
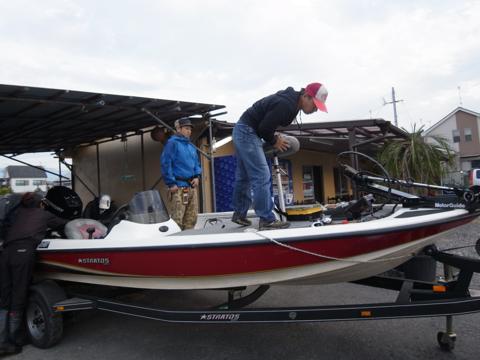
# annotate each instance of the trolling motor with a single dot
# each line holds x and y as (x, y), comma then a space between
(293, 212)
(453, 198)
(274, 154)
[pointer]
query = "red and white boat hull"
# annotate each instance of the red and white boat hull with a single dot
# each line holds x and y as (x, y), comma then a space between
(324, 254)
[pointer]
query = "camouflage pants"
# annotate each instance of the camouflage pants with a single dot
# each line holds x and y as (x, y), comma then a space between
(185, 215)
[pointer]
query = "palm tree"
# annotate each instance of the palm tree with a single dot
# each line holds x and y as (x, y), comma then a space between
(414, 158)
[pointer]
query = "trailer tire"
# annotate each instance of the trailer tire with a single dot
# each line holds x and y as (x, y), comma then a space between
(44, 326)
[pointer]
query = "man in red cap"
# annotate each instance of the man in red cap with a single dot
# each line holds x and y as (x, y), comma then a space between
(256, 126)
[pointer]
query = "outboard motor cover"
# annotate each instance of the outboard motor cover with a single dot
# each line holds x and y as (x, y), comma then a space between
(293, 147)
(63, 202)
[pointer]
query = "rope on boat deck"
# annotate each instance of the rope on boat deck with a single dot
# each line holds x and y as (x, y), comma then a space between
(331, 257)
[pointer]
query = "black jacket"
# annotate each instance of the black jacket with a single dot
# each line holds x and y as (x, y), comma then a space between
(271, 112)
(31, 224)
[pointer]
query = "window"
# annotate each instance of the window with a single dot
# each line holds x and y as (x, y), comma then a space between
(308, 186)
(39, 182)
(456, 136)
(22, 182)
(468, 134)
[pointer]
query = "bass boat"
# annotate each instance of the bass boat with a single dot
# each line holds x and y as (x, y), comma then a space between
(144, 248)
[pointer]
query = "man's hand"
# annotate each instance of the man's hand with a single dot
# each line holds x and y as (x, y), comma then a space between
(173, 189)
(281, 144)
(194, 182)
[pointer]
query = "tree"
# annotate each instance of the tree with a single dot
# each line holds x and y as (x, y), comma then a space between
(5, 190)
(415, 158)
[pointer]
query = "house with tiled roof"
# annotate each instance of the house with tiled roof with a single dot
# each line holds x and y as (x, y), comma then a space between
(25, 178)
(461, 128)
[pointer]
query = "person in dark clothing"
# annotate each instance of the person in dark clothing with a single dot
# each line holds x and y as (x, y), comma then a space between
(256, 126)
(28, 228)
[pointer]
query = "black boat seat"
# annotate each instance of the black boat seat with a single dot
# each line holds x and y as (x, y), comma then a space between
(352, 210)
(85, 229)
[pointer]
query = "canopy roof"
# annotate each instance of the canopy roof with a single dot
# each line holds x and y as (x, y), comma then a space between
(365, 135)
(39, 119)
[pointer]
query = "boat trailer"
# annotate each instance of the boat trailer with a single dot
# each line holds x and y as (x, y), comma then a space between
(447, 297)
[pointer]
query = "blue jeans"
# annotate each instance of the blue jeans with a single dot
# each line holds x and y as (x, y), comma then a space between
(252, 173)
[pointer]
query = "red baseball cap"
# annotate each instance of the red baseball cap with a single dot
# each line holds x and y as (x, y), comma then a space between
(319, 94)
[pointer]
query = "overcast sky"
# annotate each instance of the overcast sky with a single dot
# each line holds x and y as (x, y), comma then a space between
(235, 52)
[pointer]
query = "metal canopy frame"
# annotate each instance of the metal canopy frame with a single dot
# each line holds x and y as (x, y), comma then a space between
(346, 135)
(336, 136)
(41, 120)
(51, 120)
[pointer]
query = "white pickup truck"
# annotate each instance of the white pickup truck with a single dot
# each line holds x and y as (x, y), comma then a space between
(474, 177)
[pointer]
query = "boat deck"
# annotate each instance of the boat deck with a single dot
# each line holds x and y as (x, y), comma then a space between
(217, 225)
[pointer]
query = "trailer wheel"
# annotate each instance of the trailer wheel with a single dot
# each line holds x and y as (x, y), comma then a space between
(446, 341)
(44, 327)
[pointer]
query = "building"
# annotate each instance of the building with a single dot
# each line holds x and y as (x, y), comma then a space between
(114, 129)
(25, 178)
(461, 128)
(313, 174)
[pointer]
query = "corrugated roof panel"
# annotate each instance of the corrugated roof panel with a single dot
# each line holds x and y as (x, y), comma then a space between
(39, 119)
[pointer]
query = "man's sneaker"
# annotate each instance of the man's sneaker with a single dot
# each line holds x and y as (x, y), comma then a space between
(237, 219)
(273, 225)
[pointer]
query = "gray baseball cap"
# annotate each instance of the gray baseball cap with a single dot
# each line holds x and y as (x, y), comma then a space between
(183, 122)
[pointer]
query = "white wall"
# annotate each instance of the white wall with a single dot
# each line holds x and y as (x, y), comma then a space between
(445, 130)
(30, 187)
(120, 168)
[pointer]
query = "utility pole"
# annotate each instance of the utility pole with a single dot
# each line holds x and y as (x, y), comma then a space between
(394, 102)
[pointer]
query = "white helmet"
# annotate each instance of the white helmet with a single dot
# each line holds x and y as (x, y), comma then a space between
(104, 202)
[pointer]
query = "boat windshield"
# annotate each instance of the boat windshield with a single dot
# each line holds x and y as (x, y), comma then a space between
(147, 207)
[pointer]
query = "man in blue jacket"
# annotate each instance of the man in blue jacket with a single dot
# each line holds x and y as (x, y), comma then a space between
(256, 126)
(181, 172)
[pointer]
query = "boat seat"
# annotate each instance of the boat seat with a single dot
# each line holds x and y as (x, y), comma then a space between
(352, 210)
(85, 229)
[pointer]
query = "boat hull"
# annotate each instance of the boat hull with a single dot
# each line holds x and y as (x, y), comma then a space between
(259, 259)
